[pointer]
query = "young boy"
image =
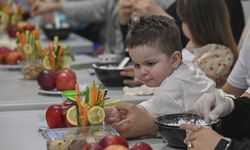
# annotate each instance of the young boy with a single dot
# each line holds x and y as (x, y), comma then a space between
(154, 46)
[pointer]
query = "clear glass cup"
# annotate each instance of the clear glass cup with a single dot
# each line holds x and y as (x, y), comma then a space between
(31, 69)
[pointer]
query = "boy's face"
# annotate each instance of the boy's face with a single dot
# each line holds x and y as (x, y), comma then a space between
(151, 65)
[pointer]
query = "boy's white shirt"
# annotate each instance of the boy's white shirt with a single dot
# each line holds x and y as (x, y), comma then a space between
(186, 55)
(179, 91)
(240, 75)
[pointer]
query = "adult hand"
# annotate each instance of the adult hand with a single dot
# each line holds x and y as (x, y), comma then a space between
(201, 138)
(148, 7)
(126, 8)
(214, 105)
(128, 71)
(112, 115)
(137, 121)
(40, 7)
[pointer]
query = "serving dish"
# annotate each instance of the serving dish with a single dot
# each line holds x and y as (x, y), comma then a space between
(75, 138)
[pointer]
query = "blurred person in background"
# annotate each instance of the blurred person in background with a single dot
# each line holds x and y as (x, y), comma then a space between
(91, 11)
(206, 24)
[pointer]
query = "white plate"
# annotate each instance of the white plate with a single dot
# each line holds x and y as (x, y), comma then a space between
(11, 67)
(82, 87)
(52, 92)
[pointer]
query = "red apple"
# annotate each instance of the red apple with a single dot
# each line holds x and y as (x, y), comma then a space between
(12, 58)
(65, 80)
(92, 146)
(12, 31)
(116, 147)
(1, 59)
(68, 71)
(47, 80)
(113, 140)
(4, 51)
(29, 27)
(141, 146)
(54, 117)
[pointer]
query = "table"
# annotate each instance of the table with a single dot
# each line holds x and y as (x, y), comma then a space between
(18, 94)
(19, 131)
(76, 43)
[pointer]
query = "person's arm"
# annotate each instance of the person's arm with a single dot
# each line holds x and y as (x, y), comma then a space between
(39, 8)
(149, 7)
(245, 94)
(228, 88)
(88, 10)
(126, 8)
(237, 81)
(237, 123)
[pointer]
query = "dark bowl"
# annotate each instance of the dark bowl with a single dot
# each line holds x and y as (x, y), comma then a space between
(109, 74)
(170, 131)
(50, 31)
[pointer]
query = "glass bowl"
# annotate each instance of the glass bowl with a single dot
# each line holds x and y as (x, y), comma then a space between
(75, 138)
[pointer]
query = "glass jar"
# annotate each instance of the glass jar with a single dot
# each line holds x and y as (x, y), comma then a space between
(31, 69)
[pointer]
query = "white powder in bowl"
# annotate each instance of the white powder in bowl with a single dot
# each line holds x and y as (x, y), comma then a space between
(198, 122)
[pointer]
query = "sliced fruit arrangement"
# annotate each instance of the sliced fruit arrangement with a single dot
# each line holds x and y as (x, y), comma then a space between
(13, 12)
(28, 45)
(90, 109)
(81, 108)
(57, 57)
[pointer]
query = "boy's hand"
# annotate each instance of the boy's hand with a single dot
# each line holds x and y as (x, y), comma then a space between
(128, 71)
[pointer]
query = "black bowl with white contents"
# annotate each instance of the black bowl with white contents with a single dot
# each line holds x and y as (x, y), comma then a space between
(169, 127)
(109, 74)
(63, 31)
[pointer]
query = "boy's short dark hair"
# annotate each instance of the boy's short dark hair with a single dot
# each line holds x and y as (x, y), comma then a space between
(155, 31)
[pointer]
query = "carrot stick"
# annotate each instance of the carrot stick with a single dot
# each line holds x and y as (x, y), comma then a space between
(101, 96)
(52, 60)
(23, 54)
(44, 52)
(36, 34)
(85, 115)
(23, 39)
(60, 53)
(18, 36)
(77, 89)
(94, 95)
(82, 110)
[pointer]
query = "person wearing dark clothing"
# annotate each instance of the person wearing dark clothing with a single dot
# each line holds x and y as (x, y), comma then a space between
(237, 17)
(234, 131)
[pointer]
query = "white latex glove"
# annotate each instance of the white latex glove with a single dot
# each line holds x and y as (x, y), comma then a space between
(211, 106)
